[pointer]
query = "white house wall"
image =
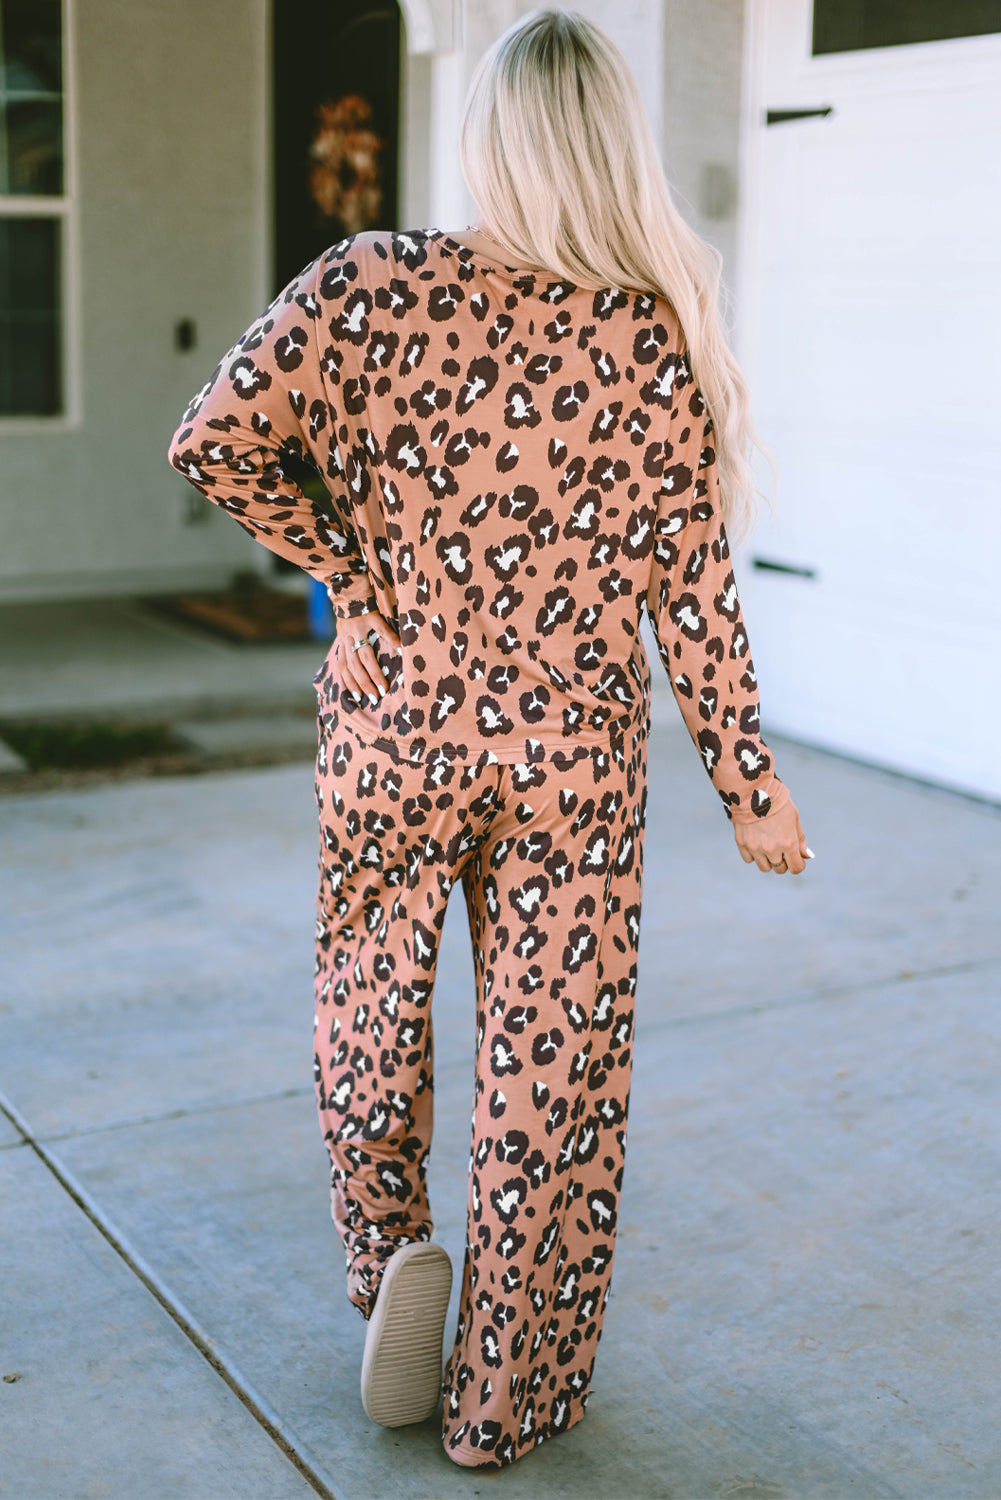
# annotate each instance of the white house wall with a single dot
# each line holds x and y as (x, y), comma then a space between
(170, 136)
(703, 61)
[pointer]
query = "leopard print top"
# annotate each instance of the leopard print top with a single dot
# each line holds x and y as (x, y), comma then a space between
(516, 467)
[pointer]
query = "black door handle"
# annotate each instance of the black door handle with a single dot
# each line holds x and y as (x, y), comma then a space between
(771, 565)
(783, 116)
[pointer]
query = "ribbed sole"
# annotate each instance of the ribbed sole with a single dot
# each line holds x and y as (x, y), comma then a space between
(402, 1365)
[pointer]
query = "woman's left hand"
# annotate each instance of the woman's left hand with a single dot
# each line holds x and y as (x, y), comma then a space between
(776, 844)
(360, 670)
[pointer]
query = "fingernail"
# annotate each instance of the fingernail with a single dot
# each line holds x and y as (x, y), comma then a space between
(810, 854)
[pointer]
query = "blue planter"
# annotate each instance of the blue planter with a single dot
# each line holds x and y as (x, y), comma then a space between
(320, 612)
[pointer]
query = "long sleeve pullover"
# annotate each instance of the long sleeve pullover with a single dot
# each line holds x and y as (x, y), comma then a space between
(517, 467)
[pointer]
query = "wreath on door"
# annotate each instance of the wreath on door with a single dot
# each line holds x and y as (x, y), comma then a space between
(344, 169)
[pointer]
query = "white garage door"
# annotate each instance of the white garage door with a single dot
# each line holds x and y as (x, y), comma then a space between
(871, 332)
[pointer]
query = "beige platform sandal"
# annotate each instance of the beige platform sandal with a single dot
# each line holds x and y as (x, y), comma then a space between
(402, 1365)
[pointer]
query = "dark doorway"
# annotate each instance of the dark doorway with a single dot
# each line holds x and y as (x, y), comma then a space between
(336, 125)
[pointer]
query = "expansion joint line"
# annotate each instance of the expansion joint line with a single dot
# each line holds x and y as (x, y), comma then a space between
(260, 1409)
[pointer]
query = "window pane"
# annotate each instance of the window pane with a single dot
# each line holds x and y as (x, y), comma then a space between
(31, 127)
(30, 381)
(34, 154)
(850, 25)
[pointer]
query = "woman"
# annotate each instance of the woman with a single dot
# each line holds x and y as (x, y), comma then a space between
(532, 430)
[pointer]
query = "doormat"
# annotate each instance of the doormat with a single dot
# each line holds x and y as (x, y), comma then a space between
(256, 616)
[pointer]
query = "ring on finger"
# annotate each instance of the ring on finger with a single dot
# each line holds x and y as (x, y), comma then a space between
(366, 640)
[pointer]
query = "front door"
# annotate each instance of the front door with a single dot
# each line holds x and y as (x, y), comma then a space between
(336, 124)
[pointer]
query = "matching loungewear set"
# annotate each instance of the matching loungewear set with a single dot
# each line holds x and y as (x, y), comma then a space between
(517, 467)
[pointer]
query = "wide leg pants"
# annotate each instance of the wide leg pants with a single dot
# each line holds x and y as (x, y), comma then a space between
(550, 856)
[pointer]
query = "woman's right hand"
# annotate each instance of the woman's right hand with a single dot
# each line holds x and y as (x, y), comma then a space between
(360, 670)
(775, 844)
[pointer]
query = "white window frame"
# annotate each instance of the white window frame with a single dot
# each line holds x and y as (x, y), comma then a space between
(64, 209)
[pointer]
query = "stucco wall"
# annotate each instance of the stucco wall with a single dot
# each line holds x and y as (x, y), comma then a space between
(170, 140)
(702, 66)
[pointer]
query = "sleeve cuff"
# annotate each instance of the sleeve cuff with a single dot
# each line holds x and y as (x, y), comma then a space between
(345, 608)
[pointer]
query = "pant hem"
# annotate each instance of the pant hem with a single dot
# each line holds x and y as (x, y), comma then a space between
(477, 1458)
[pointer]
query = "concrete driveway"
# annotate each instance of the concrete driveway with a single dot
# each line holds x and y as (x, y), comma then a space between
(804, 1301)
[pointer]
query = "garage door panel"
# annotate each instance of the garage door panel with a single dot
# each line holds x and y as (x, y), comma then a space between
(868, 349)
(871, 324)
(882, 197)
(907, 694)
(922, 541)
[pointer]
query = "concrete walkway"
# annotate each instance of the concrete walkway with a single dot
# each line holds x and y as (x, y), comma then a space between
(804, 1302)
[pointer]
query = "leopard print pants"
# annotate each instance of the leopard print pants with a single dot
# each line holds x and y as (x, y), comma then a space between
(551, 859)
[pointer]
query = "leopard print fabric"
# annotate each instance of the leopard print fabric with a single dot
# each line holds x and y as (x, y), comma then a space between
(550, 857)
(517, 467)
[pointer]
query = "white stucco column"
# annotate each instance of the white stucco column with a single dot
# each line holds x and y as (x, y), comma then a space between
(449, 202)
(444, 41)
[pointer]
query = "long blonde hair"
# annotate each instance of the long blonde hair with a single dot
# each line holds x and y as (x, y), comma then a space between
(557, 150)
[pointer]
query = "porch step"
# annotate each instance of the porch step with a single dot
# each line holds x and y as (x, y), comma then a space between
(278, 733)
